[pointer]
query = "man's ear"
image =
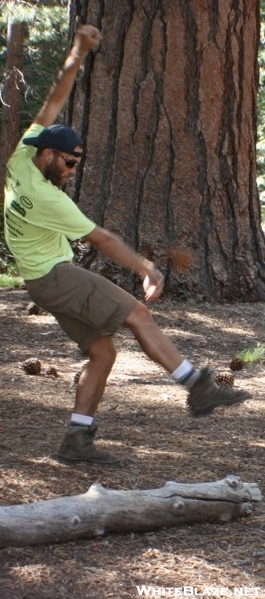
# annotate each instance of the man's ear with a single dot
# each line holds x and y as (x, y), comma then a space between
(48, 155)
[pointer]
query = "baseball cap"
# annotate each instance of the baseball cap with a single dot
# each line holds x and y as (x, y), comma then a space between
(56, 137)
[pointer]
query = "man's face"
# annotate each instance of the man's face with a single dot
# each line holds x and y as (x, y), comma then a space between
(62, 166)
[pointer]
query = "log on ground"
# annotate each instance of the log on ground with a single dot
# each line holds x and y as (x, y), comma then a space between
(101, 510)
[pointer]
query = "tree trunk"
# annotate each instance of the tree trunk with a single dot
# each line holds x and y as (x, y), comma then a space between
(167, 107)
(11, 95)
(102, 510)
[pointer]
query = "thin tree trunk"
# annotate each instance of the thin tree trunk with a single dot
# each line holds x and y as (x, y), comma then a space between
(11, 96)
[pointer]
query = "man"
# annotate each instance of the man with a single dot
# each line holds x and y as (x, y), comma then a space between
(39, 220)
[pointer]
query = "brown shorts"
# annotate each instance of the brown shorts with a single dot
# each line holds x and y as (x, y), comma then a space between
(86, 305)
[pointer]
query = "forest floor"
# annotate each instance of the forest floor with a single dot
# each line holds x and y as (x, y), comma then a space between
(144, 420)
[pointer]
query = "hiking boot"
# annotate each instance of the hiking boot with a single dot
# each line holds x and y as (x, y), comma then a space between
(77, 446)
(205, 395)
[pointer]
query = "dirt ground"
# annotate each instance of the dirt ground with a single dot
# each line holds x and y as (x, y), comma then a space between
(144, 420)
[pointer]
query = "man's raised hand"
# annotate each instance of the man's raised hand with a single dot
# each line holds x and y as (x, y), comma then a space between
(86, 38)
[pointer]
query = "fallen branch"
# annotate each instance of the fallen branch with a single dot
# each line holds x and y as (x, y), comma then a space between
(101, 510)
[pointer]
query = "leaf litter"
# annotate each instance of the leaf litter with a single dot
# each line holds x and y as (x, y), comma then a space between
(144, 420)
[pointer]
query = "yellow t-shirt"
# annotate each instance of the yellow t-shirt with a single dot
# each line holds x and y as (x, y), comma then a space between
(39, 217)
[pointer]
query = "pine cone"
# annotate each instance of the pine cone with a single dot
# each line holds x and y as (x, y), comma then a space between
(182, 258)
(236, 364)
(32, 366)
(77, 374)
(76, 377)
(52, 371)
(33, 309)
(225, 379)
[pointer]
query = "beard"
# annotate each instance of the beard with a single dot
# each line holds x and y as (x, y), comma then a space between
(52, 173)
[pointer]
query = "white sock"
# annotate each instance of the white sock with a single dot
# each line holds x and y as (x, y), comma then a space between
(81, 419)
(185, 374)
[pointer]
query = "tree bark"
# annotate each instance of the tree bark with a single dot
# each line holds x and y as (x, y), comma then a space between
(102, 510)
(167, 107)
(11, 95)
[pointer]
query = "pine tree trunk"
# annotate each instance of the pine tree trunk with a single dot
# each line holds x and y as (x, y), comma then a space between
(167, 107)
(11, 96)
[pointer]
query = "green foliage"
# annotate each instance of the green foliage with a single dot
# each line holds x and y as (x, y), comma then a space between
(45, 46)
(8, 266)
(18, 12)
(8, 280)
(255, 354)
(9, 275)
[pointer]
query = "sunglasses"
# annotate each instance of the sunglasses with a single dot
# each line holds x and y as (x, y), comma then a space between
(70, 162)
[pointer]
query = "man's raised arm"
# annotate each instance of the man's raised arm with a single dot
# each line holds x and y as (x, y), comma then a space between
(86, 38)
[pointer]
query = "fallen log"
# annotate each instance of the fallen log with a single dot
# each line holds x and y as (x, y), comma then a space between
(101, 510)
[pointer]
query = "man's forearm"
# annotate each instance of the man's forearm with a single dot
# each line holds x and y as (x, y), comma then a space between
(86, 38)
(60, 91)
(114, 248)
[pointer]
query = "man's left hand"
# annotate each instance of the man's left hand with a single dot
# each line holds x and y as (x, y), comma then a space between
(153, 284)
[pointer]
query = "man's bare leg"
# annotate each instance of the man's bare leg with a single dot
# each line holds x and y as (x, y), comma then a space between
(204, 395)
(152, 340)
(93, 379)
(77, 445)
(102, 356)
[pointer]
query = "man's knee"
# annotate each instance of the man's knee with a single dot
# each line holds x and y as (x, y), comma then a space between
(140, 314)
(103, 351)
